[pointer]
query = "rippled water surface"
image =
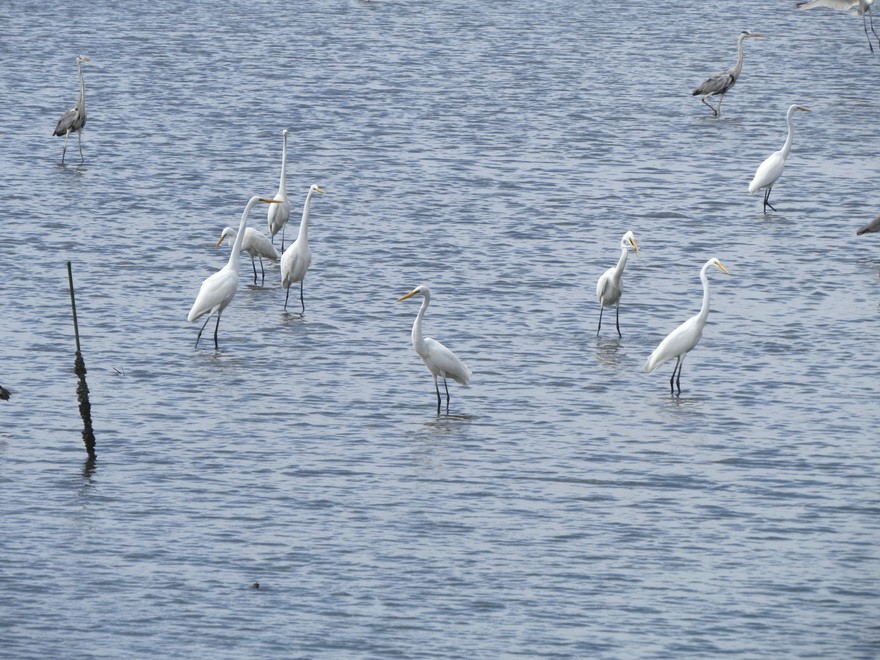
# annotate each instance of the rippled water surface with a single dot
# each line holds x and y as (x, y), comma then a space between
(496, 152)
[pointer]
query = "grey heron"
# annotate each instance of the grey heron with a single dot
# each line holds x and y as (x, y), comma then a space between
(255, 244)
(871, 227)
(440, 360)
(685, 337)
(719, 84)
(770, 170)
(609, 286)
(862, 8)
(297, 258)
(74, 119)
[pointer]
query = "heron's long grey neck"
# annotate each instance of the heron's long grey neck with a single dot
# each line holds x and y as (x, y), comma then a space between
(417, 340)
(282, 185)
(704, 310)
(81, 105)
(239, 237)
(304, 223)
(786, 148)
(737, 68)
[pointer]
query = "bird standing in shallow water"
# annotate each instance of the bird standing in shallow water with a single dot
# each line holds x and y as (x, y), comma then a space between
(771, 169)
(74, 120)
(278, 214)
(686, 336)
(255, 244)
(440, 360)
(296, 259)
(862, 8)
(609, 287)
(719, 84)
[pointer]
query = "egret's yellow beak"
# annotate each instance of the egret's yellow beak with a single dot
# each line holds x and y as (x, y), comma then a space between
(409, 295)
(320, 190)
(721, 267)
(634, 244)
(758, 34)
(271, 201)
(803, 109)
(217, 244)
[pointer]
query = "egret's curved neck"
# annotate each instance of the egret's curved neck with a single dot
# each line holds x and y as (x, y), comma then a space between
(239, 237)
(704, 310)
(621, 263)
(82, 87)
(304, 223)
(417, 339)
(786, 148)
(737, 68)
(282, 185)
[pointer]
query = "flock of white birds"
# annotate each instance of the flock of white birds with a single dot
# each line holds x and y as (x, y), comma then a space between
(218, 290)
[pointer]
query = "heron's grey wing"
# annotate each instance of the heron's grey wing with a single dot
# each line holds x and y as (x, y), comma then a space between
(717, 84)
(872, 226)
(68, 119)
(841, 5)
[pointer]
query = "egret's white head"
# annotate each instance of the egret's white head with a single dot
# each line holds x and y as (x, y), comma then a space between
(420, 290)
(227, 232)
(82, 58)
(714, 262)
(629, 240)
(315, 188)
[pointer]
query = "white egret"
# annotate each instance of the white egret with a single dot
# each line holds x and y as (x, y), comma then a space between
(609, 286)
(297, 258)
(872, 226)
(683, 339)
(862, 8)
(719, 84)
(771, 169)
(218, 290)
(255, 243)
(440, 360)
(279, 213)
(74, 120)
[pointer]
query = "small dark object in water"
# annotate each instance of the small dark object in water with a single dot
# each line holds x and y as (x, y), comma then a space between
(4, 393)
(872, 226)
(255, 585)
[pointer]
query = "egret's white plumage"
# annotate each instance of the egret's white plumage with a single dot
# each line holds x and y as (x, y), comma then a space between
(441, 362)
(860, 8)
(720, 83)
(218, 290)
(296, 259)
(278, 214)
(74, 120)
(255, 244)
(770, 170)
(609, 287)
(683, 339)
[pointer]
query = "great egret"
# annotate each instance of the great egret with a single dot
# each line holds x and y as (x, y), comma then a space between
(720, 83)
(4, 393)
(872, 226)
(862, 8)
(74, 119)
(256, 244)
(440, 360)
(297, 258)
(609, 286)
(218, 290)
(683, 339)
(771, 169)
(279, 213)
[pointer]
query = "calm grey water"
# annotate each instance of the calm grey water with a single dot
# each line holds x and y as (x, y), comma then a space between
(568, 505)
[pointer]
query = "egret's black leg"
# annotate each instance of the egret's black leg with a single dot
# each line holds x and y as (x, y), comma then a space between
(871, 18)
(437, 387)
(199, 336)
(282, 236)
(216, 328)
(678, 378)
(601, 309)
(262, 272)
(447, 394)
(254, 266)
(617, 321)
(865, 25)
(301, 301)
(285, 298)
(672, 377)
(767, 199)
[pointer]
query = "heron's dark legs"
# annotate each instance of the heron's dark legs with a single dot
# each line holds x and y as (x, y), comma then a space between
(199, 336)
(767, 199)
(285, 298)
(216, 328)
(437, 387)
(709, 105)
(617, 321)
(718, 109)
(254, 265)
(301, 301)
(79, 140)
(601, 309)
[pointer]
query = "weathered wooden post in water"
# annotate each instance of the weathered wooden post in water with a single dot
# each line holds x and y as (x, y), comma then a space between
(82, 390)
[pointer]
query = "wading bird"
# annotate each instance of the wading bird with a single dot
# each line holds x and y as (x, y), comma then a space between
(296, 259)
(771, 169)
(440, 360)
(872, 226)
(279, 213)
(862, 8)
(218, 290)
(609, 286)
(719, 84)
(74, 119)
(255, 244)
(683, 339)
